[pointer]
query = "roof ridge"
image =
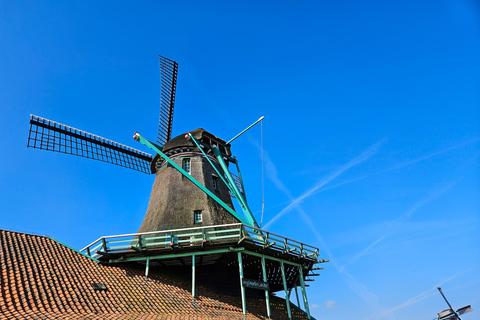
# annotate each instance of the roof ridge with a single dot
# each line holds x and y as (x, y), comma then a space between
(30, 233)
(51, 238)
(67, 246)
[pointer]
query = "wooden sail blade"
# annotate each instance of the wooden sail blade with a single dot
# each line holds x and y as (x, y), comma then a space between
(53, 136)
(168, 84)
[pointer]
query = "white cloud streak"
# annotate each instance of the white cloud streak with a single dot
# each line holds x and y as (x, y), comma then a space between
(401, 165)
(431, 195)
(361, 158)
(356, 286)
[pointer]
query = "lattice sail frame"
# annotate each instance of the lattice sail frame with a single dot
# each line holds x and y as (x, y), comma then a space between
(238, 183)
(53, 136)
(168, 85)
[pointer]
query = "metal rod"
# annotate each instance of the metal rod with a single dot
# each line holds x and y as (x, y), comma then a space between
(238, 135)
(242, 289)
(267, 296)
(287, 300)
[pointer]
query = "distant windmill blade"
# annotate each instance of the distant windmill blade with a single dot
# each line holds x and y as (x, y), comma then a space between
(168, 83)
(465, 309)
(53, 136)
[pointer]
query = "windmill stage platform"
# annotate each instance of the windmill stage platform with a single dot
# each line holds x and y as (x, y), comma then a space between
(238, 256)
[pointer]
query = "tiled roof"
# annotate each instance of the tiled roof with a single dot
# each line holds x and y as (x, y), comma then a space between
(42, 279)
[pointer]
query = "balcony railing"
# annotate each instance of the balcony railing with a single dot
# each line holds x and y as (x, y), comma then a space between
(205, 237)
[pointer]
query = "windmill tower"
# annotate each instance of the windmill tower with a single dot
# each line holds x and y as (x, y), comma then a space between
(190, 223)
(183, 204)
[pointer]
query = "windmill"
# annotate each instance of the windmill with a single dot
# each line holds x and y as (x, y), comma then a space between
(174, 201)
(449, 314)
(190, 221)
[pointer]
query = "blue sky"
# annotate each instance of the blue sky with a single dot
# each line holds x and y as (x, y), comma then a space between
(371, 130)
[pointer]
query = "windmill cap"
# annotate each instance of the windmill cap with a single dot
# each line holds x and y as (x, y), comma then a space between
(199, 134)
(180, 144)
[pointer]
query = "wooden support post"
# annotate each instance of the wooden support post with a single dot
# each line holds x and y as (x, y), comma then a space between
(244, 303)
(287, 300)
(296, 293)
(147, 268)
(193, 277)
(267, 295)
(304, 293)
(104, 245)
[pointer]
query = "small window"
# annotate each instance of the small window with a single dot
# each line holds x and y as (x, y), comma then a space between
(99, 286)
(197, 216)
(186, 165)
(215, 183)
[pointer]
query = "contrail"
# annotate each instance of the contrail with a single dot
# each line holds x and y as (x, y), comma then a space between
(401, 165)
(356, 286)
(361, 158)
(435, 192)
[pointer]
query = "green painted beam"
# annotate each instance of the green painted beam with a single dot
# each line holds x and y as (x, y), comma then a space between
(304, 293)
(147, 268)
(267, 296)
(242, 289)
(188, 254)
(157, 148)
(230, 179)
(193, 276)
(213, 166)
(296, 294)
(287, 298)
(268, 257)
(174, 255)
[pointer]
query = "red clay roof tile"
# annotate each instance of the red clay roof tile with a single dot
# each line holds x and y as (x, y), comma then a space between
(42, 279)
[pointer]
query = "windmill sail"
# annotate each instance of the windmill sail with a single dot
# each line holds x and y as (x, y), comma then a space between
(168, 83)
(53, 136)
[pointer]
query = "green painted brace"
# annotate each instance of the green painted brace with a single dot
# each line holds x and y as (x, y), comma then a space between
(206, 157)
(231, 184)
(157, 148)
(246, 210)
